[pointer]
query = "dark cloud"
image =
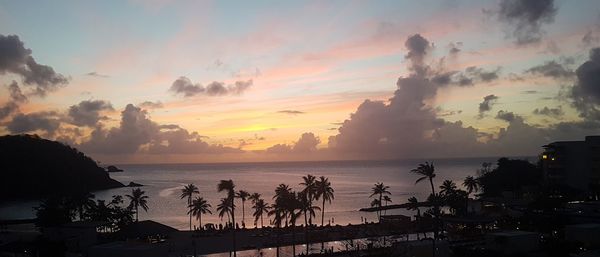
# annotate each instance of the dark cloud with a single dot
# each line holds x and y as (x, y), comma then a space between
(454, 48)
(550, 112)
(16, 59)
(552, 69)
(87, 113)
(526, 17)
(469, 77)
(216, 89)
(586, 91)
(138, 134)
(96, 74)
(487, 103)
(306, 143)
(151, 105)
(38, 121)
(8, 109)
(418, 48)
(185, 87)
(507, 116)
(291, 112)
(16, 99)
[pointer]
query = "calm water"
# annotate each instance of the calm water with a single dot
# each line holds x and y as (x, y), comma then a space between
(352, 182)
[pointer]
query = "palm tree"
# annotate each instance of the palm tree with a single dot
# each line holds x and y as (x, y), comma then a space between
(137, 199)
(198, 207)
(323, 190)
(413, 204)
(309, 210)
(224, 208)
(229, 187)
(386, 199)
(380, 189)
(254, 197)
(260, 207)
(427, 171)
(472, 185)
(309, 190)
(447, 188)
(82, 202)
(282, 193)
(243, 195)
(188, 192)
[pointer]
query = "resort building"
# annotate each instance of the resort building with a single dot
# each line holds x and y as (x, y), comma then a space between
(575, 164)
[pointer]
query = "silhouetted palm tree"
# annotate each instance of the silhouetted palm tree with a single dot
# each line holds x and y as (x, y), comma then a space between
(386, 199)
(254, 197)
(447, 188)
(137, 199)
(413, 204)
(282, 193)
(309, 190)
(229, 187)
(427, 171)
(472, 185)
(260, 207)
(323, 191)
(188, 192)
(198, 207)
(82, 202)
(380, 189)
(224, 208)
(243, 195)
(309, 210)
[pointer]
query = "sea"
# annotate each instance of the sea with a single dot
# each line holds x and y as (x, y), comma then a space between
(351, 180)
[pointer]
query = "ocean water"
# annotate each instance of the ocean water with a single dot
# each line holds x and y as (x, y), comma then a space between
(351, 180)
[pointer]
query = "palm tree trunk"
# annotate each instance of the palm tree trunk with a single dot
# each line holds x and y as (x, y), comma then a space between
(136, 213)
(261, 221)
(243, 213)
(306, 230)
(379, 212)
(200, 220)
(323, 213)
(190, 208)
(233, 224)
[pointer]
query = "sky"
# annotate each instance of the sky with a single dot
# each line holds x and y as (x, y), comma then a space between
(238, 81)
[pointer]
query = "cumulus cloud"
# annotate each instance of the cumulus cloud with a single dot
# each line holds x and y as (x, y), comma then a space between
(552, 69)
(37, 121)
(138, 134)
(586, 91)
(525, 18)
(487, 103)
(16, 98)
(550, 112)
(306, 143)
(469, 77)
(87, 113)
(184, 86)
(16, 59)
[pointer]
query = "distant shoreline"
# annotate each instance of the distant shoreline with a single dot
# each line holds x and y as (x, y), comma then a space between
(382, 161)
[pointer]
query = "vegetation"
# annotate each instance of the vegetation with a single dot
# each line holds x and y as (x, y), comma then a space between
(188, 192)
(198, 207)
(323, 190)
(504, 177)
(229, 187)
(243, 195)
(33, 167)
(137, 199)
(379, 190)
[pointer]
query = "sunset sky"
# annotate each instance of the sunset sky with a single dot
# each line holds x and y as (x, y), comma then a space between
(226, 81)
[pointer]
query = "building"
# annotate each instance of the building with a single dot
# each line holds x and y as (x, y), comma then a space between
(573, 164)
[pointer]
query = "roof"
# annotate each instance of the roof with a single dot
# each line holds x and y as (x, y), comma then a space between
(146, 228)
(85, 224)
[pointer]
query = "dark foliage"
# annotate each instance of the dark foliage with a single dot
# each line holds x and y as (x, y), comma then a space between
(32, 167)
(509, 175)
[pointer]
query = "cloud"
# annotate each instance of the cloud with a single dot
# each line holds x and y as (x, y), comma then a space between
(185, 87)
(16, 59)
(469, 77)
(586, 91)
(16, 99)
(37, 121)
(487, 103)
(96, 74)
(525, 18)
(87, 113)
(307, 143)
(138, 134)
(507, 116)
(551, 69)
(550, 112)
(151, 105)
(291, 112)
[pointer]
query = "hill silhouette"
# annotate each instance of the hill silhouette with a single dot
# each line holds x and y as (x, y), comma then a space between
(32, 167)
